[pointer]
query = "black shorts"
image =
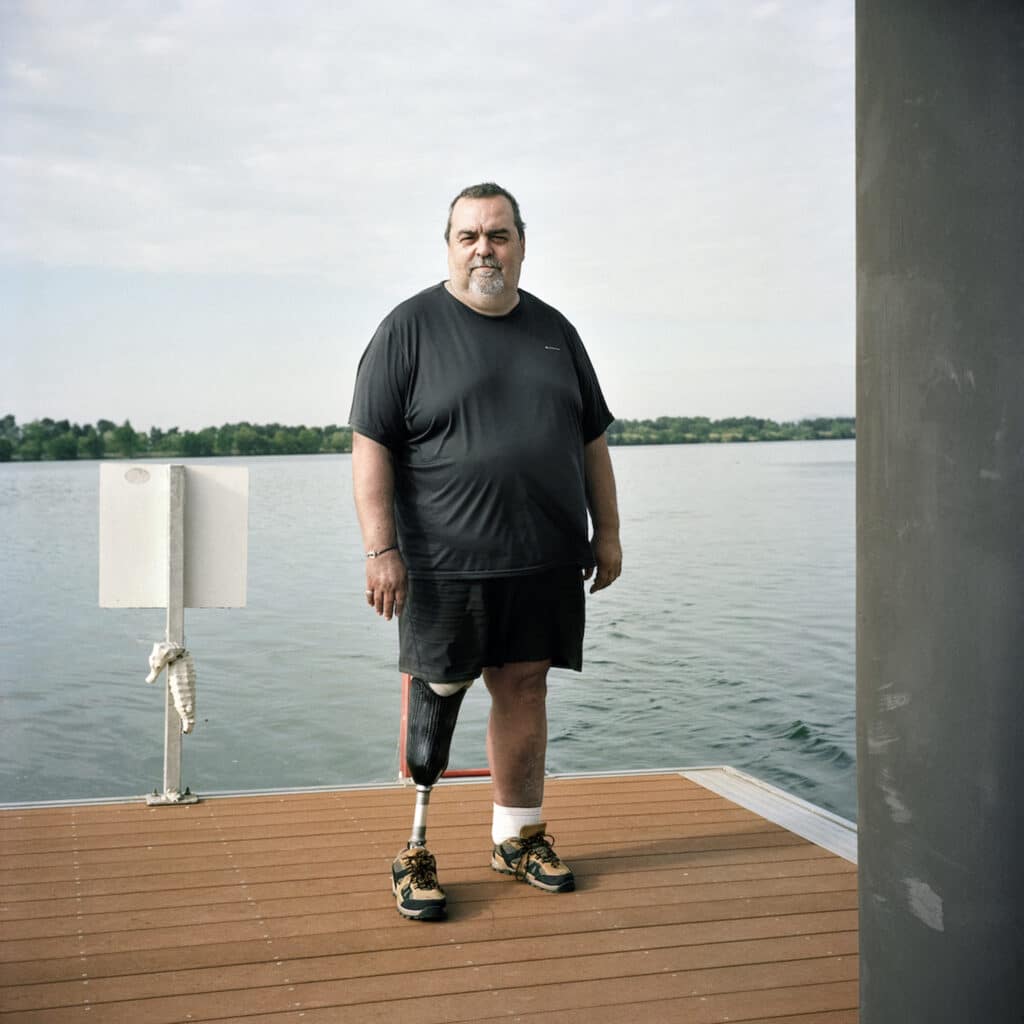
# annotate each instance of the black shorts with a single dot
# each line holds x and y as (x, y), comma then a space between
(450, 630)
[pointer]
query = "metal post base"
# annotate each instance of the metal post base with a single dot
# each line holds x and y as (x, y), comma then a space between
(156, 799)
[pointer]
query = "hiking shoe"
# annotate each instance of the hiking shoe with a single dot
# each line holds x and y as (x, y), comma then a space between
(529, 856)
(414, 883)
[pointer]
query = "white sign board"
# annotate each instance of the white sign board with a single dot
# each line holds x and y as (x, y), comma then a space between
(135, 529)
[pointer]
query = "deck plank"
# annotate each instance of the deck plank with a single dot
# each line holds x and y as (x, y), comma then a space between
(321, 886)
(277, 908)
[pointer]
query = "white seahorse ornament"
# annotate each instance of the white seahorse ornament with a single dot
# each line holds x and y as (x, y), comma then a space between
(181, 677)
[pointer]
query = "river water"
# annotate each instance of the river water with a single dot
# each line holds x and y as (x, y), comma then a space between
(729, 639)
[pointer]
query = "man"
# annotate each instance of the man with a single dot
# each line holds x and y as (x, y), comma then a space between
(478, 448)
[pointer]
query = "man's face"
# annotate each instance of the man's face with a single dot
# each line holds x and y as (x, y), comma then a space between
(485, 254)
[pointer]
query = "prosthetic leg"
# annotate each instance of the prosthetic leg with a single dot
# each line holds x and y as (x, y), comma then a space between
(432, 713)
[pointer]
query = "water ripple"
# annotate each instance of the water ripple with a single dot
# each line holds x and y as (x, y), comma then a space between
(729, 638)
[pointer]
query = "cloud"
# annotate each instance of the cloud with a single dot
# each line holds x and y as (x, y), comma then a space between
(684, 159)
(151, 118)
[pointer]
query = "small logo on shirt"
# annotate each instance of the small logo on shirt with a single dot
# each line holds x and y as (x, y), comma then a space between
(552, 348)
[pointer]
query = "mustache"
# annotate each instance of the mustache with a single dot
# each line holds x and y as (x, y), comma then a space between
(485, 261)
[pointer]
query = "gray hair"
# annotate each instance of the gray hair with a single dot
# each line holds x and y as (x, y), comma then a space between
(485, 190)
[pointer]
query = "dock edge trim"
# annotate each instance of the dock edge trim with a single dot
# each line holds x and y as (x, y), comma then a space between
(821, 827)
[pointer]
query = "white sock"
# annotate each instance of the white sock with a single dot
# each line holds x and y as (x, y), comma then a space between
(507, 821)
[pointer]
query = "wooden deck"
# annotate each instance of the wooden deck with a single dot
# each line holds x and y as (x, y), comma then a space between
(278, 910)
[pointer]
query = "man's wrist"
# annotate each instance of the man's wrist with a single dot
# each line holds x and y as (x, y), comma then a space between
(376, 553)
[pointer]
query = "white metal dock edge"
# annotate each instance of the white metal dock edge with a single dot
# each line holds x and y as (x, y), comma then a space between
(821, 827)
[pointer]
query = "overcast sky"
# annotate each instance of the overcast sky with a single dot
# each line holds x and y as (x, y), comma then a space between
(206, 206)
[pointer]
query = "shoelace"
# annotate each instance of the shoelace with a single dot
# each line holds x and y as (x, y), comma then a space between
(423, 869)
(540, 846)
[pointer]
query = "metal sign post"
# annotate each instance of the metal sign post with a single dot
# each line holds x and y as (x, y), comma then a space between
(173, 537)
(175, 634)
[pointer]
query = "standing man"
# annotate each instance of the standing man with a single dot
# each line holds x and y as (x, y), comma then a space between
(478, 448)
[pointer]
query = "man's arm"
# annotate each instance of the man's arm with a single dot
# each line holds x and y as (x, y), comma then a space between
(604, 512)
(373, 484)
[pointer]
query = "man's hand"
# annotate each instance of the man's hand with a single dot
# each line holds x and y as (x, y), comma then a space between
(604, 513)
(386, 584)
(373, 484)
(608, 553)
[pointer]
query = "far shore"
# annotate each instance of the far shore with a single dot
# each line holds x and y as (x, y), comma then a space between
(48, 440)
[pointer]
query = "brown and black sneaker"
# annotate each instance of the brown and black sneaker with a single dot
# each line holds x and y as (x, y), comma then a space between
(414, 883)
(529, 857)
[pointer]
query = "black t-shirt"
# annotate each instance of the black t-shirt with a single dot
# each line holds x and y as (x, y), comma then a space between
(486, 419)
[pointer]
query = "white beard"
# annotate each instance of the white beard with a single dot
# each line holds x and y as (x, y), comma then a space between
(487, 284)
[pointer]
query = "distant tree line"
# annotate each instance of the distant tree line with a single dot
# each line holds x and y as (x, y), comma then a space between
(701, 429)
(61, 440)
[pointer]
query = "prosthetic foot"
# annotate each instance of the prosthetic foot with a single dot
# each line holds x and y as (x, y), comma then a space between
(432, 713)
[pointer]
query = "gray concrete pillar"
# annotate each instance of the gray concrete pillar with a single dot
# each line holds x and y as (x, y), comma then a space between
(940, 510)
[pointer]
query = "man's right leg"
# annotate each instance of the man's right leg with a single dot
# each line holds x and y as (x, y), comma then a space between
(432, 713)
(516, 746)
